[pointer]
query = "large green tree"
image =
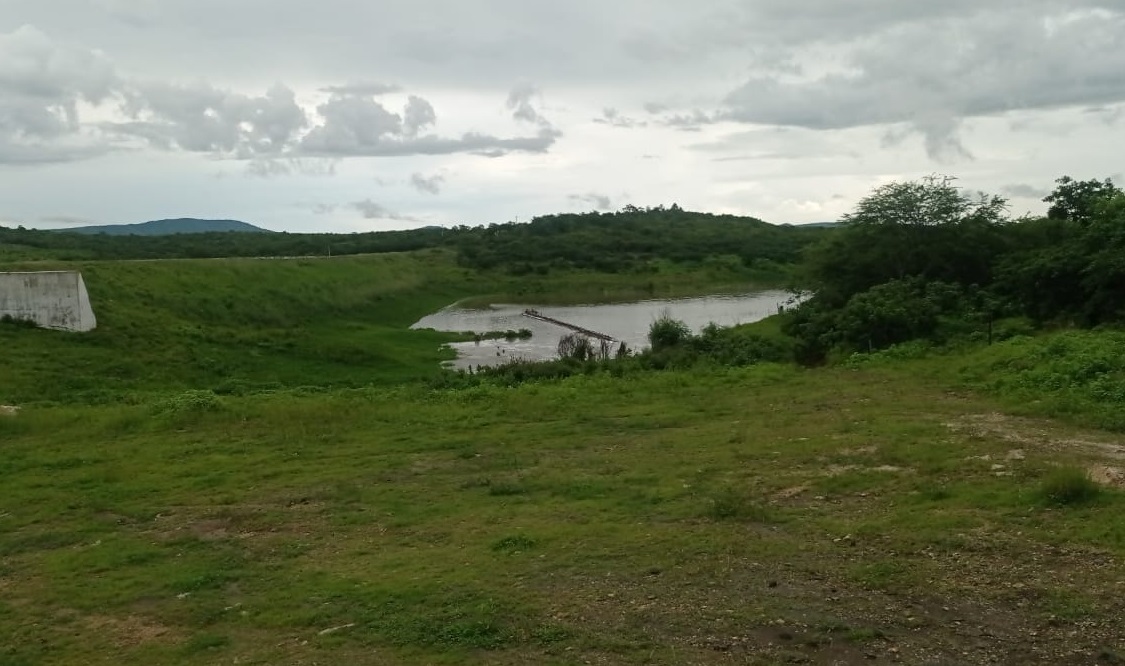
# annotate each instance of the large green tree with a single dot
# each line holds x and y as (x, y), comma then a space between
(1078, 200)
(927, 228)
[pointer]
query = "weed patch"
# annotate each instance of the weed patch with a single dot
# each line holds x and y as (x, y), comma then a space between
(1069, 486)
(734, 504)
(514, 544)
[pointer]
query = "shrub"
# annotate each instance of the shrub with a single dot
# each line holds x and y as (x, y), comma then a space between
(667, 332)
(515, 543)
(576, 346)
(734, 504)
(1069, 486)
(190, 402)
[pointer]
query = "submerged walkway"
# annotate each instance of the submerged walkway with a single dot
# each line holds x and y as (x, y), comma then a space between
(535, 314)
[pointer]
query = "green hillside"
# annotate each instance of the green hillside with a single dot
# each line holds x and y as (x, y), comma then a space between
(610, 242)
(186, 225)
(259, 324)
(237, 324)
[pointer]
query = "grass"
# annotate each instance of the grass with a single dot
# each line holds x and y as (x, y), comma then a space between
(1073, 375)
(552, 523)
(310, 502)
(1069, 486)
(239, 326)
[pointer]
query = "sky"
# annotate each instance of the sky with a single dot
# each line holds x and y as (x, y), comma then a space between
(361, 115)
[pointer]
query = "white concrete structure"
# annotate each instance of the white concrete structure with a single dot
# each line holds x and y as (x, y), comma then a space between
(51, 299)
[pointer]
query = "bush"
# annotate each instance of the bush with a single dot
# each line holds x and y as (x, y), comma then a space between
(1074, 374)
(190, 402)
(734, 504)
(1069, 486)
(667, 332)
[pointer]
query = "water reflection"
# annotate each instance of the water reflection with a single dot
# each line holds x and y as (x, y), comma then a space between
(627, 322)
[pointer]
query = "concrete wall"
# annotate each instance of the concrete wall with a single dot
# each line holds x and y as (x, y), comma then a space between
(55, 299)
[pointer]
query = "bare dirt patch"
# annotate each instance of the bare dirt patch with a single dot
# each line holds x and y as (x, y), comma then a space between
(1113, 477)
(838, 470)
(790, 493)
(1032, 433)
(132, 630)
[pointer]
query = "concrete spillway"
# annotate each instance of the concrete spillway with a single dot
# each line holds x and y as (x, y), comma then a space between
(51, 299)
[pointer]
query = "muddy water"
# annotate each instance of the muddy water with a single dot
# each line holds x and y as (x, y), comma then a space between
(627, 322)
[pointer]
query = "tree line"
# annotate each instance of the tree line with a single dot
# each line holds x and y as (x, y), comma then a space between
(927, 260)
(608, 242)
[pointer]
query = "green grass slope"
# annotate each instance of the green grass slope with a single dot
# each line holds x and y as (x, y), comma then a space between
(763, 515)
(236, 325)
(232, 324)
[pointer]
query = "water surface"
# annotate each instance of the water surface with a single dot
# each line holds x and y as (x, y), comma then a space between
(626, 322)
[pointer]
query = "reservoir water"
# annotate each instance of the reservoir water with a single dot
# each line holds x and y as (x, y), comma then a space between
(626, 322)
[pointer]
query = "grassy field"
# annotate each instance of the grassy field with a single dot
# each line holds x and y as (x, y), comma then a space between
(913, 506)
(245, 325)
(763, 515)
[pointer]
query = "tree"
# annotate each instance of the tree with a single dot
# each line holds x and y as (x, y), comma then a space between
(927, 228)
(1077, 200)
(1104, 274)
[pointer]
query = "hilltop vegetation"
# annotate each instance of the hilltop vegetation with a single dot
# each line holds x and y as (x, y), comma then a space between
(608, 242)
(169, 227)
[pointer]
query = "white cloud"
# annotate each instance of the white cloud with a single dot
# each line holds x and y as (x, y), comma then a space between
(932, 73)
(371, 210)
(371, 88)
(202, 118)
(598, 201)
(427, 184)
(43, 84)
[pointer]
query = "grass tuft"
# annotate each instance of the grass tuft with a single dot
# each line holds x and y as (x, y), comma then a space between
(734, 504)
(514, 544)
(1069, 486)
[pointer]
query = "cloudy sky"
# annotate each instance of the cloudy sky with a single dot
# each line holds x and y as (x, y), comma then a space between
(348, 115)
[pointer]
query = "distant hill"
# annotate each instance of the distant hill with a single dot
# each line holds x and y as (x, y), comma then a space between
(185, 225)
